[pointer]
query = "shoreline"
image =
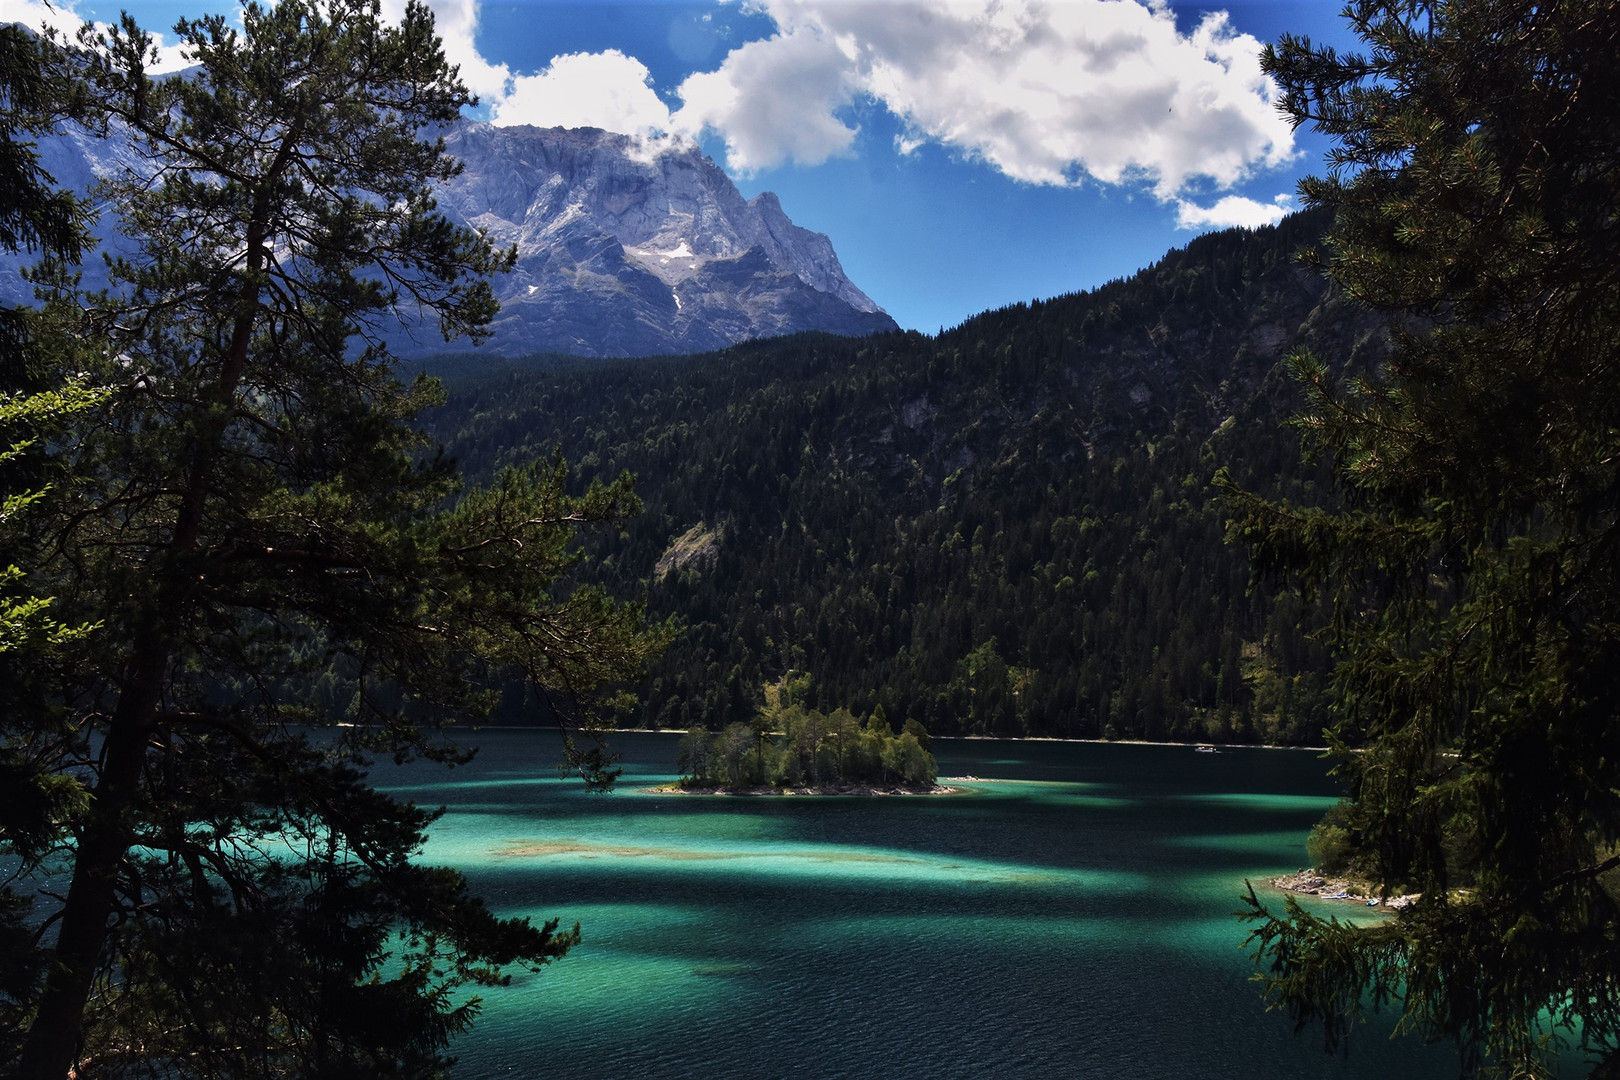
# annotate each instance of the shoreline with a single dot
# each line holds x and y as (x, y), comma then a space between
(765, 791)
(1220, 748)
(1308, 882)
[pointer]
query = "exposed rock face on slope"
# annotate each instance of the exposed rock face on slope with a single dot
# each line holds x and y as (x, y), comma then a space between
(625, 251)
(622, 250)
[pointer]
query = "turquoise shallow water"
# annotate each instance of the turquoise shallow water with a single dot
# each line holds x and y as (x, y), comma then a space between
(1067, 915)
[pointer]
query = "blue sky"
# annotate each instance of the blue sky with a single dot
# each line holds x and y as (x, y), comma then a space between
(961, 154)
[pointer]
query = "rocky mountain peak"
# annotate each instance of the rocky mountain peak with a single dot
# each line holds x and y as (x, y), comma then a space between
(629, 248)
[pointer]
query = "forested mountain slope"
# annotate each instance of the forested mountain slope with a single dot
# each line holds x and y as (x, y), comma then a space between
(1004, 529)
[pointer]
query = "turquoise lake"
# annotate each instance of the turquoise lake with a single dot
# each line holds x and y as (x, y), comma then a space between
(1068, 914)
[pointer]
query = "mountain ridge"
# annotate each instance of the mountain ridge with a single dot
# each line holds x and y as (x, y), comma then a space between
(629, 248)
(625, 248)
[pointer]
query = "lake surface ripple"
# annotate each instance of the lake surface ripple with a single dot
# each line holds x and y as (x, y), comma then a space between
(1067, 914)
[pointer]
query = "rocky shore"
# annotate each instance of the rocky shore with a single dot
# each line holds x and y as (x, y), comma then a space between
(1309, 882)
(820, 789)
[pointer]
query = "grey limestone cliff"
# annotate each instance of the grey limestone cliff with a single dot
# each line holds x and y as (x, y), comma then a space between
(626, 249)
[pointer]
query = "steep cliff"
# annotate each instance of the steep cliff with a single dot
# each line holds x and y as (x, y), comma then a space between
(626, 249)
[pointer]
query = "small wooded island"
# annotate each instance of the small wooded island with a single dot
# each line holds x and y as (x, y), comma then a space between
(787, 746)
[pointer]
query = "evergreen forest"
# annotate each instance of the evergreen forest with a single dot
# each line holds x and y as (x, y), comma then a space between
(1006, 529)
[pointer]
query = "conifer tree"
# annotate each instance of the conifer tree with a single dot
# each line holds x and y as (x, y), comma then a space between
(224, 895)
(1475, 566)
(34, 217)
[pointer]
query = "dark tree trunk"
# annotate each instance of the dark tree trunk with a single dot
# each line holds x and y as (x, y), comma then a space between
(57, 1033)
(54, 1040)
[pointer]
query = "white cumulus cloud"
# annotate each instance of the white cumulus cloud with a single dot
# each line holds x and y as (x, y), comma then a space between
(38, 15)
(61, 18)
(1046, 92)
(607, 90)
(1231, 210)
(456, 22)
(1059, 92)
(775, 100)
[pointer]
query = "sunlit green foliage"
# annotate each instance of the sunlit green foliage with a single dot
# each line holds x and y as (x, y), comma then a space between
(787, 745)
(35, 800)
(34, 405)
(1329, 847)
